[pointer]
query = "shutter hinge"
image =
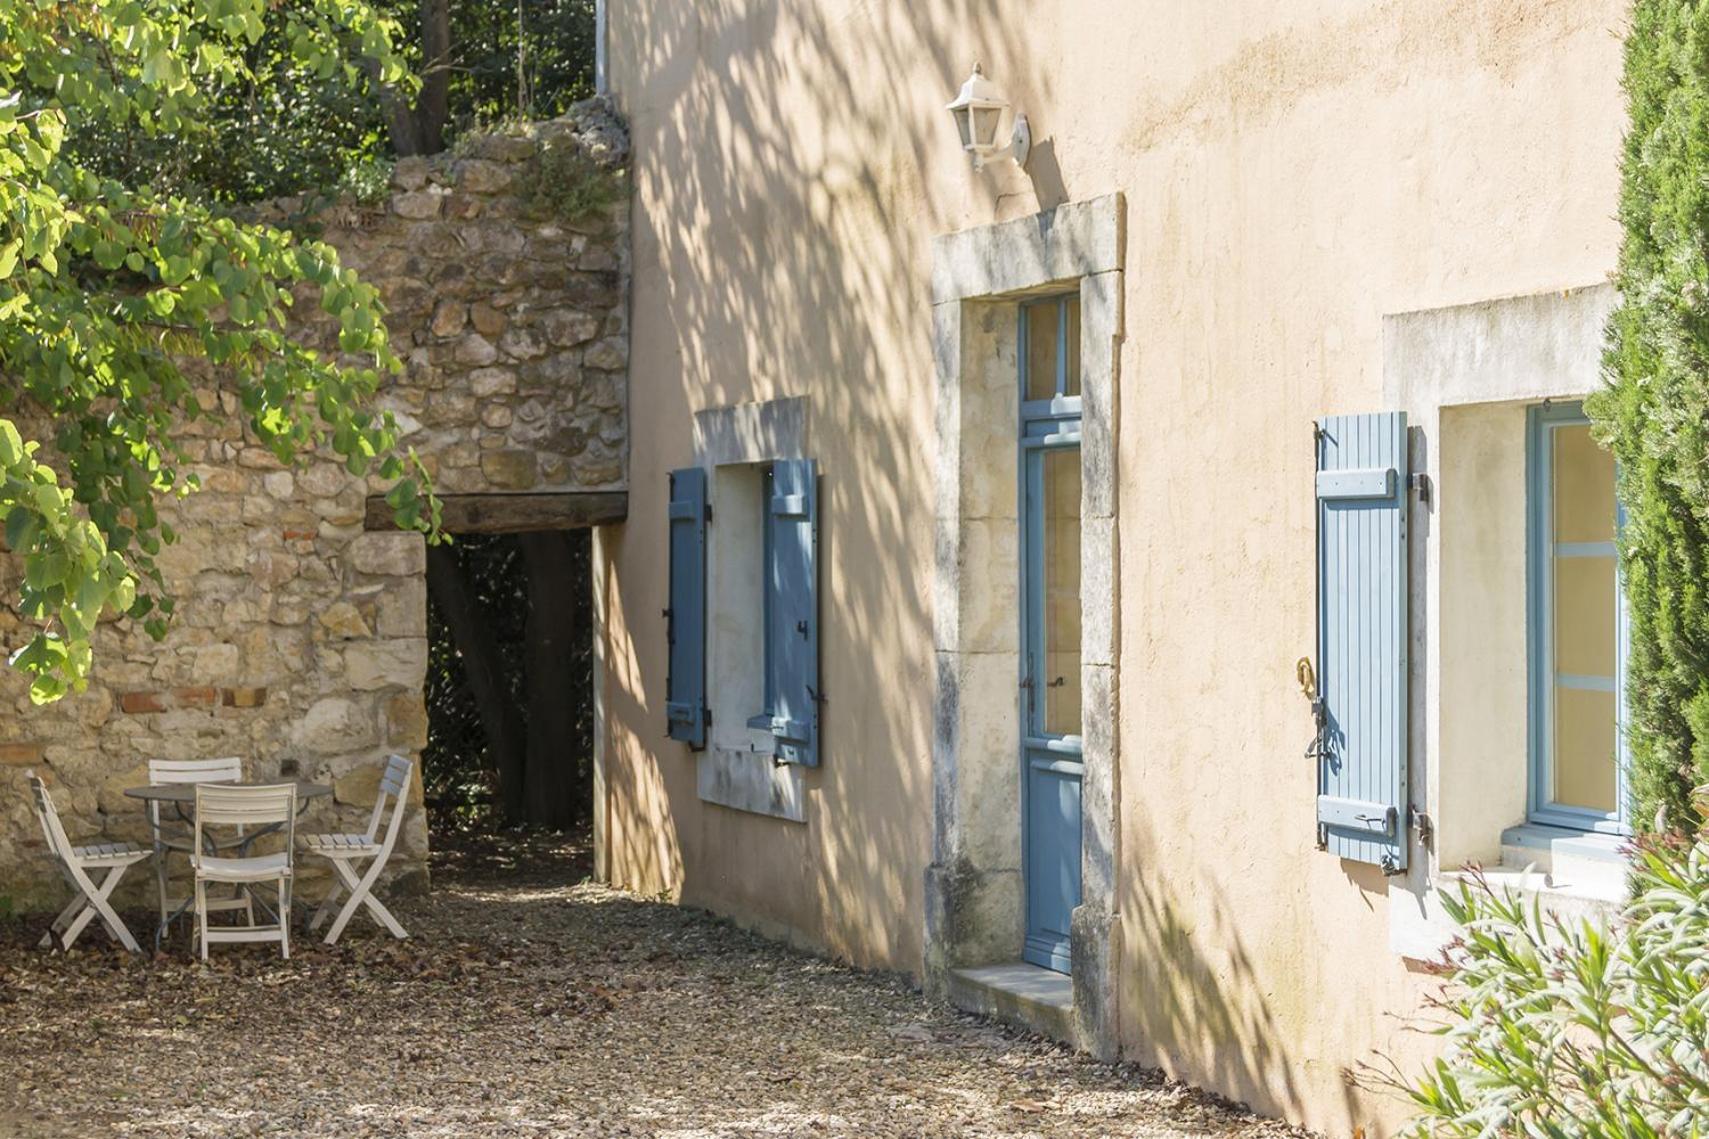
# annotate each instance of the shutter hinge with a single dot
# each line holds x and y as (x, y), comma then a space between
(1422, 826)
(709, 512)
(1420, 483)
(708, 714)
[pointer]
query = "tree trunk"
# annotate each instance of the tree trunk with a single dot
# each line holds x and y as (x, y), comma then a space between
(472, 634)
(555, 762)
(420, 129)
(433, 105)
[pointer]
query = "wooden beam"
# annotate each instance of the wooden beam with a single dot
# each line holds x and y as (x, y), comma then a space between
(515, 513)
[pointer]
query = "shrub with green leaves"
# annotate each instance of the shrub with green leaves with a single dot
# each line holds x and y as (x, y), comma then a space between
(1563, 1029)
(1655, 412)
(117, 303)
(563, 181)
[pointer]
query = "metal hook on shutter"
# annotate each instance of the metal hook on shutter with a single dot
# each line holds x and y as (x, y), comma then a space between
(1318, 748)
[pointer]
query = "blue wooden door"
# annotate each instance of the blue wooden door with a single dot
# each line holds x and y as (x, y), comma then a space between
(1051, 757)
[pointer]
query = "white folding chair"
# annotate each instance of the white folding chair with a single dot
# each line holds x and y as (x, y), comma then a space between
(343, 850)
(91, 900)
(273, 806)
(228, 769)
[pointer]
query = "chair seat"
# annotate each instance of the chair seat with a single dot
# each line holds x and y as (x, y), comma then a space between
(340, 845)
(257, 869)
(108, 853)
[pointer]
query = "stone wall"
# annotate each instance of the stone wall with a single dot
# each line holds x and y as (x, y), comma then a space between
(300, 642)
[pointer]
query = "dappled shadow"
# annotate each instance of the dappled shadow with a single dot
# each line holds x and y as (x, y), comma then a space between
(1200, 1001)
(538, 1008)
(783, 204)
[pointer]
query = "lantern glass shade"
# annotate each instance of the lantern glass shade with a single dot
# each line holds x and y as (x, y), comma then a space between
(978, 112)
(964, 125)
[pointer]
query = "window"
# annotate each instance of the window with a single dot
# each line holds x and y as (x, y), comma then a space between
(744, 597)
(1577, 627)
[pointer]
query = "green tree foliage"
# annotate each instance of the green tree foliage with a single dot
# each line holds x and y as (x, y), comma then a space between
(529, 60)
(286, 122)
(114, 297)
(1655, 412)
(1561, 1029)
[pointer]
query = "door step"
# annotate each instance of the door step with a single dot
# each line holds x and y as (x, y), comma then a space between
(1025, 996)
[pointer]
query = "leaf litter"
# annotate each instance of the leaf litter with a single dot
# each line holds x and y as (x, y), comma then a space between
(532, 1002)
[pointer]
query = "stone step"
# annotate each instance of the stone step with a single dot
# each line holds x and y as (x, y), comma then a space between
(1025, 996)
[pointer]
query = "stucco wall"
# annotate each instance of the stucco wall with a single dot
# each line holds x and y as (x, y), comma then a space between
(301, 637)
(1292, 173)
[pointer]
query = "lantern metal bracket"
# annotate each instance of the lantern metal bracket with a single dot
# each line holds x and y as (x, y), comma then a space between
(1021, 144)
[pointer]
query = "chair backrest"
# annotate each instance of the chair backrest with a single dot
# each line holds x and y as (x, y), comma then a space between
(227, 769)
(222, 804)
(394, 784)
(52, 829)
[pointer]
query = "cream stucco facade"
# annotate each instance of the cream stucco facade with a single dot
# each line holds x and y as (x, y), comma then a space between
(1312, 208)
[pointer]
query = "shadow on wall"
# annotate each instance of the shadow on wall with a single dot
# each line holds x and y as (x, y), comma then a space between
(640, 855)
(1202, 1009)
(791, 164)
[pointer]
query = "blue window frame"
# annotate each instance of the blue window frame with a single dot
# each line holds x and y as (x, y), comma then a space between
(1576, 626)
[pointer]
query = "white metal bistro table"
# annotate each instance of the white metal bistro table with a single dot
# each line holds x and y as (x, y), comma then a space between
(182, 797)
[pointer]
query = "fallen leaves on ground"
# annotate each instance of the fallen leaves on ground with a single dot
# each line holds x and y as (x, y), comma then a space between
(528, 1005)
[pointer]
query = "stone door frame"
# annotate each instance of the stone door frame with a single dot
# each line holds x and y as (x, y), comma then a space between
(973, 885)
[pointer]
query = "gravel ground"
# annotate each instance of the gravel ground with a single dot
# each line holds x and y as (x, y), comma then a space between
(526, 1007)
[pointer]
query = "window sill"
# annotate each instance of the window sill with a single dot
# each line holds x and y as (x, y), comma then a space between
(1571, 875)
(1568, 859)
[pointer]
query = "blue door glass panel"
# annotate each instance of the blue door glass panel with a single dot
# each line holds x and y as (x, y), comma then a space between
(1051, 763)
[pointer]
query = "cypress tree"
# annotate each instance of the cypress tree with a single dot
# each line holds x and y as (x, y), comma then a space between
(1654, 412)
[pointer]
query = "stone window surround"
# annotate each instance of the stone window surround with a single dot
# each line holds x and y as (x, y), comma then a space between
(1479, 359)
(743, 435)
(969, 908)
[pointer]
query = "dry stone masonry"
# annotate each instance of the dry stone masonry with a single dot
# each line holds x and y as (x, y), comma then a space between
(301, 637)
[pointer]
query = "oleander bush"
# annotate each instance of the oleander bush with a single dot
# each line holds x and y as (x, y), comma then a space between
(1563, 1029)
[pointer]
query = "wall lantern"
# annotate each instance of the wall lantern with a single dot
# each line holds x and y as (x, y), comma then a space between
(978, 113)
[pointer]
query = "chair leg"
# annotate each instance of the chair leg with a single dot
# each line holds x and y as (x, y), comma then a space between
(326, 908)
(202, 915)
(99, 906)
(161, 873)
(62, 920)
(285, 918)
(361, 892)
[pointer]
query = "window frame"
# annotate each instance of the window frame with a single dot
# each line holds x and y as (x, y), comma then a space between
(1541, 421)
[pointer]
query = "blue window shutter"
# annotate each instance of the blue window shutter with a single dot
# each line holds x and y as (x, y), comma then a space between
(685, 620)
(1362, 637)
(792, 591)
